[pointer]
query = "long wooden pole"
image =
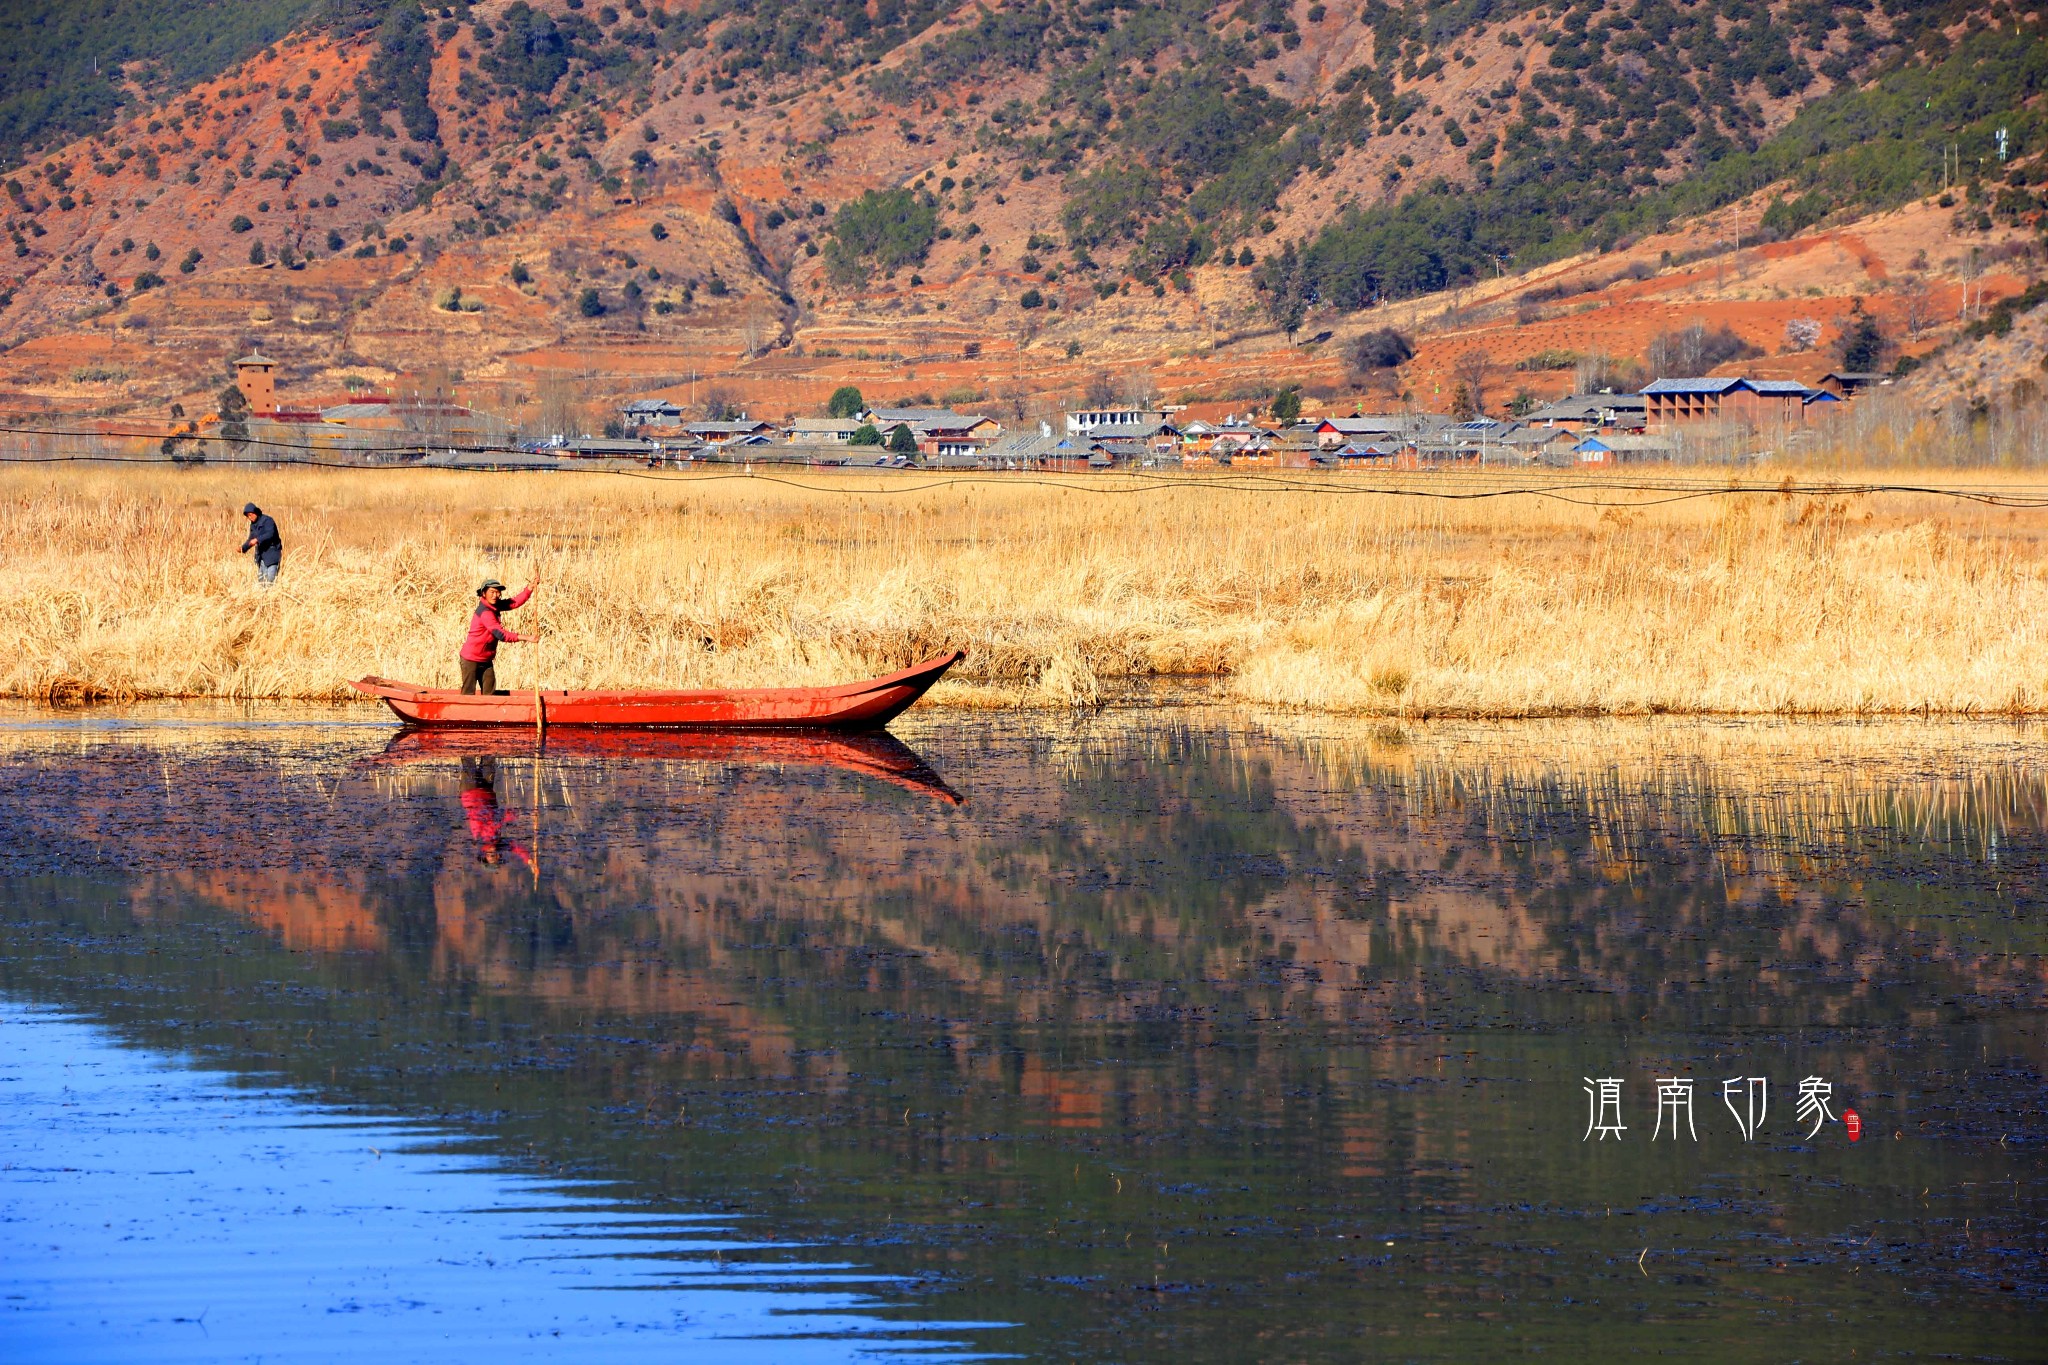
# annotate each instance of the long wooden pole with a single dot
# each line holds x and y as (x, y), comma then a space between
(540, 706)
(540, 737)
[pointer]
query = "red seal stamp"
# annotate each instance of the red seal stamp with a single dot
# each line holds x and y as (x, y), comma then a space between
(1853, 1122)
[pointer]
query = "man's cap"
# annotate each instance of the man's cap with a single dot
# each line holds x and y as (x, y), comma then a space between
(489, 583)
(249, 507)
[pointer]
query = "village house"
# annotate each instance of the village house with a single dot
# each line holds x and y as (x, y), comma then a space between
(1035, 449)
(1735, 400)
(1154, 437)
(825, 431)
(728, 433)
(604, 448)
(940, 433)
(960, 436)
(1538, 445)
(1216, 439)
(649, 412)
(1611, 447)
(1849, 383)
(1332, 432)
(1084, 421)
(1819, 405)
(1292, 449)
(1229, 439)
(1367, 454)
(1584, 412)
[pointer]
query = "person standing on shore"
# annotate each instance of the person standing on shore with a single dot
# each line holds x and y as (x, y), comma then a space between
(486, 632)
(263, 539)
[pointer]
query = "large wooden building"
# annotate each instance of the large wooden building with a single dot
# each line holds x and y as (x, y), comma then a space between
(1735, 401)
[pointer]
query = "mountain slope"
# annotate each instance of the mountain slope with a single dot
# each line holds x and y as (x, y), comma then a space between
(1017, 194)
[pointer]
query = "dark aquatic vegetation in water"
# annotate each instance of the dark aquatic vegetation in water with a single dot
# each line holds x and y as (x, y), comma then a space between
(1178, 1037)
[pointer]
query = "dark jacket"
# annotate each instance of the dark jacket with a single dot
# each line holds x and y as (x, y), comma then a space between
(263, 535)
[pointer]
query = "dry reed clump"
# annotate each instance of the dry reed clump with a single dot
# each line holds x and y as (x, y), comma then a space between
(126, 584)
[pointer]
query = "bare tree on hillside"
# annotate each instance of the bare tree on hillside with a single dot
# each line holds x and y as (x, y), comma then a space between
(1695, 348)
(1591, 373)
(560, 407)
(1973, 273)
(427, 401)
(1916, 305)
(1101, 389)
(1472, 371)
(1601, 371)
(720, 406)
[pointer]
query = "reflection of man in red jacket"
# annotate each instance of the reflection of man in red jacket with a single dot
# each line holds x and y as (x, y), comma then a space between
(487, 821)
(486, 632)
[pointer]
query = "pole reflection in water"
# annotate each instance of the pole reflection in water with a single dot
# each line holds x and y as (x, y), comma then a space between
(1184, 1033)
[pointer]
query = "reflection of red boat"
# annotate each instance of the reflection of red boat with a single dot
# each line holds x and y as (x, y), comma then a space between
(874, 754)
(866, 705)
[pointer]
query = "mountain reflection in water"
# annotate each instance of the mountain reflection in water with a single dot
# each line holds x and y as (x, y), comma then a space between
(1178, 1034)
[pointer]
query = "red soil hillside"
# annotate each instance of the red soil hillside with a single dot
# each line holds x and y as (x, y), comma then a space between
(660, 232)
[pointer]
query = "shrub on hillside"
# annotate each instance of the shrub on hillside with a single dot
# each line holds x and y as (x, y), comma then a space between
(882, 230)
(1111, 204)
(1381, 349)
(531, 56)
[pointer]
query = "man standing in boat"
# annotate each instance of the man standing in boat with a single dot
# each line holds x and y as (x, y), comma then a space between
(486, 632)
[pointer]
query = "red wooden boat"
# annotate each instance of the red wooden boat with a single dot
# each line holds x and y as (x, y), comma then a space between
(866, 705)
(874, 753)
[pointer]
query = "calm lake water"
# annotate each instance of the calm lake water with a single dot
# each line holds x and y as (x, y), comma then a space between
(1158, 1035)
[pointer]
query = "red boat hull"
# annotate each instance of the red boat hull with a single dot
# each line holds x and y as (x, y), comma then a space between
(868, 705)
(874, 753)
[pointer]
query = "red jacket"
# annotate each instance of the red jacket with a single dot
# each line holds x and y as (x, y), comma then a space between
(486, 630)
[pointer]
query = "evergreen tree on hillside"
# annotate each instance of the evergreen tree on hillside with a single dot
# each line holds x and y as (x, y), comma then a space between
(400, 75)
(1864, 344)
(234, 415)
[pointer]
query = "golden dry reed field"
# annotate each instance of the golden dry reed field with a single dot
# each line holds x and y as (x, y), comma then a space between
(1352, 593)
